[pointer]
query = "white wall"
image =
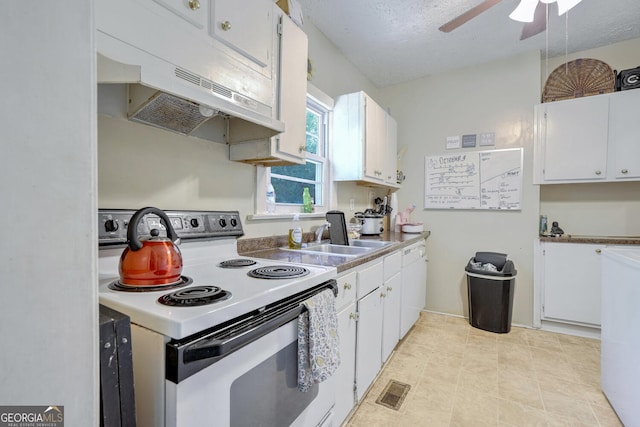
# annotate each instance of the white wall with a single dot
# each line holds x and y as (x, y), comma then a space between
(602, 209)
(48, 310)
(496, 97)
(333, 73)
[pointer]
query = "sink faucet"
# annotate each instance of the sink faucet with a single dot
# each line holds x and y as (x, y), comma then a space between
(320, 230)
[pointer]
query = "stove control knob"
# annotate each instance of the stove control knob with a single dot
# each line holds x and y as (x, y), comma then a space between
(234, 222)
(222, 222)
(111, 225)
(194, 222)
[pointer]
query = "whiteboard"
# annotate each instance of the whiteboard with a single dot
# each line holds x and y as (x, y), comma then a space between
(489, 179)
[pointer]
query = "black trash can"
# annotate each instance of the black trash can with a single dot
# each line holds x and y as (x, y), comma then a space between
(490, 282)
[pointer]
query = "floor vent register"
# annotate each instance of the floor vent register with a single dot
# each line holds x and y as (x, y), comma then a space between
(393, 395)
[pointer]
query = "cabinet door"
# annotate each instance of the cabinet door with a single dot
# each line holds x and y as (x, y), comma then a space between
(369, 341)
(625, 134)
(189, 10)
(571, 290)
(246, 29)
(391, 156)
(575, 136)
(347, 286)
(293, 91)
(391, 315)
(414, 289)
(375, 135)
(345, 375)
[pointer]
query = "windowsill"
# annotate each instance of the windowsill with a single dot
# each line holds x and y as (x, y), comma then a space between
(277, 216)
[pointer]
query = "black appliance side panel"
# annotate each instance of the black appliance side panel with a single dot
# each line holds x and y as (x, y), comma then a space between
(338, 228)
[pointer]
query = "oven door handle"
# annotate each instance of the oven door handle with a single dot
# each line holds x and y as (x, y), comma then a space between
(219, 348)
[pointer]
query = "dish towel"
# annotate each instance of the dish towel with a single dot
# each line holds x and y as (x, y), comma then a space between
(318, 341)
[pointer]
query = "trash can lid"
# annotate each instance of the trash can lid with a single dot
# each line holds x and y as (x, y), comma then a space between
(496, 258)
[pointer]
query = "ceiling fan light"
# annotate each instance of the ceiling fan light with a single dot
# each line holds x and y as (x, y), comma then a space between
(565, 5)
(525, 11)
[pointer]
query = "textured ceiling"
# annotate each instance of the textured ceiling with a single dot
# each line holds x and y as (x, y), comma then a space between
(393, 41)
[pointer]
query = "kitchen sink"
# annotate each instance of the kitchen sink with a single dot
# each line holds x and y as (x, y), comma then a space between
(329, 249)
(357, 248)
(369, 243)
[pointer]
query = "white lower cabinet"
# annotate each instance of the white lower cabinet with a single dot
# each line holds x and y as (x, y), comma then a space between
(369, 328)
(345, 375)
(568, 277)
(414, 285)
(369, 341)
(369, 313)
(571, 291)
(391, 294)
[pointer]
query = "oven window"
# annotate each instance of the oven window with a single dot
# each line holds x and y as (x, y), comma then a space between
(268, 395)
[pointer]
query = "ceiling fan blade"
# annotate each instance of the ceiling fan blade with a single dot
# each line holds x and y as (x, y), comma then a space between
(468, 15)
(539, 23)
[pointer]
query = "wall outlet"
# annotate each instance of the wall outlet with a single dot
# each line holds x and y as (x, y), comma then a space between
(352, 204)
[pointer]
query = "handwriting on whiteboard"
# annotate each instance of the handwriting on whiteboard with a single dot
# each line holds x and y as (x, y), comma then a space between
(474, 180)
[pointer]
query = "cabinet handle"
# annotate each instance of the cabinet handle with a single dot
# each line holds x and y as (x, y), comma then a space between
(598, 251)
(302, 148)
(382, 295)
(624, 171)
(353, 316)
(226, 25)
(194, 4)
(389, 288)
(598, 173)
(347, 286)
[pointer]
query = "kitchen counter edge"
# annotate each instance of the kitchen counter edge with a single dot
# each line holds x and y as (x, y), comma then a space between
(269, 248)
(606, 240)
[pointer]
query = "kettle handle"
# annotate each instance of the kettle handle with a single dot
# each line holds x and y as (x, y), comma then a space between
(132, 230)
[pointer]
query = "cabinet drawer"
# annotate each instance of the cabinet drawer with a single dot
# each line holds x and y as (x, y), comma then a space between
(369, 278)
(347, 286)
(392, 264)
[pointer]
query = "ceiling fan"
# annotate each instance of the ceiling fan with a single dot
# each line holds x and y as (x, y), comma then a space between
(532, 12)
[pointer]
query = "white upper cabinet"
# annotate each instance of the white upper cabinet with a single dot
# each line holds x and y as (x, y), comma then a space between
(391, 157)
(625, 131)
(573, 139)
(245, 28)
(362, 151)
(591, 139)
(374, 138)
(288, 147)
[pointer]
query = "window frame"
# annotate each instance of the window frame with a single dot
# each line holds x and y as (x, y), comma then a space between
(317, 100)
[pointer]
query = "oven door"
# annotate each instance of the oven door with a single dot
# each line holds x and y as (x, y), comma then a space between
(254, 386)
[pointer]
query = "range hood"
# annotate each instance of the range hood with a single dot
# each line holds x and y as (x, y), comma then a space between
(169, 97)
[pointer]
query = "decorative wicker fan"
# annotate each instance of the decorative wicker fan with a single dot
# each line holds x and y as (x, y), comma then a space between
(577, 78)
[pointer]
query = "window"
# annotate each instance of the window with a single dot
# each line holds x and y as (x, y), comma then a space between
(289, 181)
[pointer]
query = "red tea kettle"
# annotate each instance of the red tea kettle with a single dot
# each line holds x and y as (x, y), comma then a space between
(151, 261)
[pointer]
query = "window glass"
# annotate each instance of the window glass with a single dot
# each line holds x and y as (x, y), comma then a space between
(289, 181)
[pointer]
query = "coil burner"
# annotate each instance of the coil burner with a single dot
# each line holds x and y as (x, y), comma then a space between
(278, 272)
(119, 286)
(195, 296)
(237, 263)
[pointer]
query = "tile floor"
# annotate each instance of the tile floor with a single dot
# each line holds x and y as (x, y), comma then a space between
(464, 376)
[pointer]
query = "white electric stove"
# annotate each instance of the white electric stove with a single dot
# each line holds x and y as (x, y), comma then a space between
(220, 336)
